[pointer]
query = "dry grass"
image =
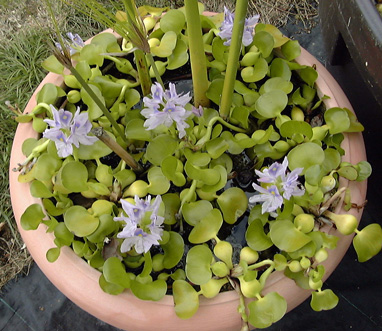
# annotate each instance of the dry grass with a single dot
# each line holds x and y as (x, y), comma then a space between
(14, 259)
(24, 24)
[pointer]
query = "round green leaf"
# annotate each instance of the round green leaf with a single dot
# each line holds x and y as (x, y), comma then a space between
(323, 300)
(173, 250)
(109, 288)
(80, 222)
(286, 237)
(267, 310)
(198, 264)
(159, 148)
(255, 73)
(52, 254)
(207, 228)
(264, 42)
(39, 190)
(32, 217)
(337, 119)
(305, 156)
(271, 104)
(186, 299)
(74, 176)
(115, 272)
(368, 242)
(153, 291)
(291, 49)
(173, 20)
(233, 203)
(193, 212)
(256, 237)
(290, 128)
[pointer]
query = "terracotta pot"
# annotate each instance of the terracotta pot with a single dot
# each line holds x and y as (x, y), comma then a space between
(79, 282)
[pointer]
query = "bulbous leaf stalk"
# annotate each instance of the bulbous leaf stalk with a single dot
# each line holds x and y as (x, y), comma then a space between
(233, 57)
(198, 66)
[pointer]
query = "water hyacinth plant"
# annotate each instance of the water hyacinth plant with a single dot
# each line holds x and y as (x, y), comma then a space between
(189, 156)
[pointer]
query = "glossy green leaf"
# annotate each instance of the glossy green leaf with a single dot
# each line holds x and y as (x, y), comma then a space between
(264, 41)
(153, 291)
(166, 46)
(198, 264)
(109, 288)
(233, 203)
(53, 254)
(212, 288)
(214, 91)
(364, 171)
(172, 168)
(280, 68)
(291, 49)
(80, 222)
(173, 250)
(173, 20)
(74, 176)
(286, 237)
(267, 310)
(53, 65)
(186, 299)
(94, 111)
(279, 38)
(207, 228)
(107, 226)
(92, 54)
(323, 300)
(255, 73)
(46, 166)
(114, 272)
(135, 130)
(305, 156)
(198, 159)
(193, 212)
(256, 237)
(48, 94)
(179, 56)
(32, 217)
(159, 184)
(368, 242)
(39, 190)
(159, 148)
(276, 83)
(308, 75)
(216, 147)
(63, 235)
(337, 119)
(289, 128)
(172, 205)
(271, 104)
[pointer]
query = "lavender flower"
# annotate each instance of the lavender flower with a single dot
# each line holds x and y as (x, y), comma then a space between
(227, 27)
(278, 181)
(76, 43)
(142, 227)
(67, 130)
(271, 198)
(198, 112)
(166, 107)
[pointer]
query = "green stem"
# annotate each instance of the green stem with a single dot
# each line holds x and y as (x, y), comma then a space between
(98, 102)
(233, 57)
(213, 120)
(143, 71)
(156, 72)
(197, 55)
